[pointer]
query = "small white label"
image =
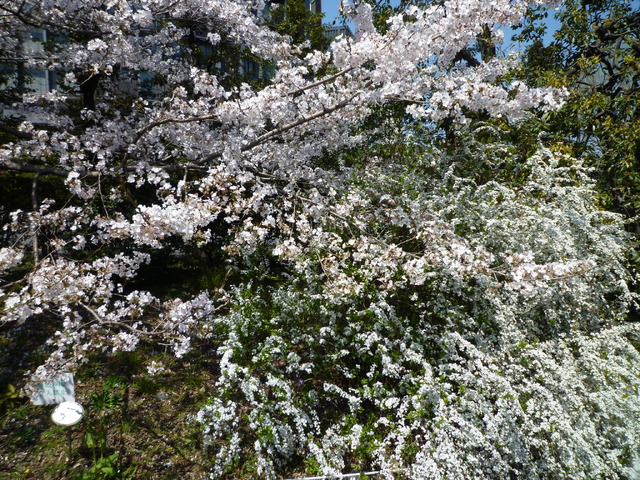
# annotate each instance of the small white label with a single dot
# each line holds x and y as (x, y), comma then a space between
(67, 414)
(60, 389)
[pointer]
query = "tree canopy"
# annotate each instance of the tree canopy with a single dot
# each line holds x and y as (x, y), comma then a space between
(596, 53)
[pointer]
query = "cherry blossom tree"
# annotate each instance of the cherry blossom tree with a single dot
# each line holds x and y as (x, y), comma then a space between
(395, 312)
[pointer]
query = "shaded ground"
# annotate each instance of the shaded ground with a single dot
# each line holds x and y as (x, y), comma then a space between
(135, 425)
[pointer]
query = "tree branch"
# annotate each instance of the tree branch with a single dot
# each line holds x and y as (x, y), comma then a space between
(158, 123)
(60, 172)
(12, 131)
(25, 167)
(104, 322)
(153, 125)
(31, 21)
(278, 131)
(321, 82)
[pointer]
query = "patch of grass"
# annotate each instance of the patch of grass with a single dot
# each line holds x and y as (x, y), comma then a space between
(133, 429)
(146, 385)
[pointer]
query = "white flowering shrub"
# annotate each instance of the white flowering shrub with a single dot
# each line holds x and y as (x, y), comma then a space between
(435, 347)
(422, 313)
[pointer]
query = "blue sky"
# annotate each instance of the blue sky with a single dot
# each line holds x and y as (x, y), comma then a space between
(330, 9)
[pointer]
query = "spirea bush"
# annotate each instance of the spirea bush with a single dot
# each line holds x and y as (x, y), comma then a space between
(478, 332)
(432, 312)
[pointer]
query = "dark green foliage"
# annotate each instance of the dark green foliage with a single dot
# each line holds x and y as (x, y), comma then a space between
(294, 19)
(596, 55)
(106, 468)
(10, 398)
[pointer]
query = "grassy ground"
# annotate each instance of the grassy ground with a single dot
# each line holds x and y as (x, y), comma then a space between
(135, 425)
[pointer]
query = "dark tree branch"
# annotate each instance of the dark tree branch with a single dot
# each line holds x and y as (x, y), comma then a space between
(26, 168)
(60, 172)
(466, 55)
(34, 22)
(17, 133)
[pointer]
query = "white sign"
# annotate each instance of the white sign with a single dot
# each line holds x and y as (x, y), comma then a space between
(60, 389)
(67, 414)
